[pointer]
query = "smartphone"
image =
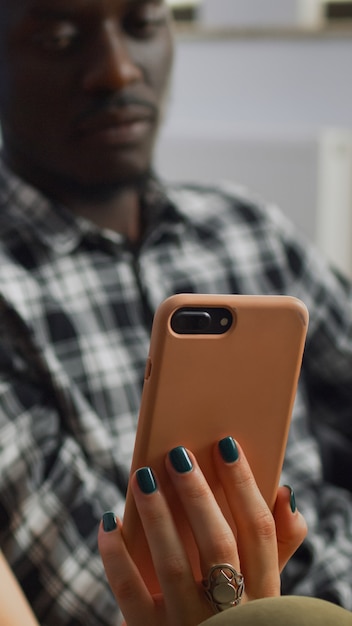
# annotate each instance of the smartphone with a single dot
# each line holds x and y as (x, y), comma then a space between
(218, 365)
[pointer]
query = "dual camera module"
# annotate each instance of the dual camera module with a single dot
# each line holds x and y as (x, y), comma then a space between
(202, 321)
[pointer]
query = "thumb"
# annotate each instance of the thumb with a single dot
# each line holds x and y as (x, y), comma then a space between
(291, 527)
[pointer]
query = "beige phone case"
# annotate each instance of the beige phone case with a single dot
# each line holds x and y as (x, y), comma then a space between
(200, 388)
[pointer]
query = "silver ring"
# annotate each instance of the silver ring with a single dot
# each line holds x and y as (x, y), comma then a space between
(224, 587)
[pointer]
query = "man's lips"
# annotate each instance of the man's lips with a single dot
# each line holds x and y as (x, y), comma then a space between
(119, 125)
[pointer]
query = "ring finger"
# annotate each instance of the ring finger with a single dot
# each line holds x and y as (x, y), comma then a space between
(179, 588)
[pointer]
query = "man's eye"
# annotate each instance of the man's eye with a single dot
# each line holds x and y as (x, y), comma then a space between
(59, 38)
(146, 21)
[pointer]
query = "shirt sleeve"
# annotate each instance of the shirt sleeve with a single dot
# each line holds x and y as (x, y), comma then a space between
(51, 501)
(322, 567)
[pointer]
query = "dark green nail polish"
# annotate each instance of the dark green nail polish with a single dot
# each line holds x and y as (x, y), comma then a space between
(228, 450)
(292, 499)
(109, 521)
(146, 480)
(180, 460)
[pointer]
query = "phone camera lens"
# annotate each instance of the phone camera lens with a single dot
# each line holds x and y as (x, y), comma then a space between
(190, 322)
(202, 321)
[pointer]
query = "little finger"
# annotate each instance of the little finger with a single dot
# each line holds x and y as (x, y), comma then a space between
(125, 581)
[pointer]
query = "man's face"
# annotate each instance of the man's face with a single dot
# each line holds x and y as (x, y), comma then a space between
(82, 85)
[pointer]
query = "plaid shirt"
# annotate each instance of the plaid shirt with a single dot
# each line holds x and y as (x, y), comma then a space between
(76, 308)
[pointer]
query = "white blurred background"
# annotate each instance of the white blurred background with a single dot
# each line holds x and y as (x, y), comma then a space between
(262, 95)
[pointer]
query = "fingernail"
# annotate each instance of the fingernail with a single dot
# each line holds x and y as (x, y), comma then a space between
(109, 521)
(180, 460)
(292, 499)
(228, 450)
(146, 480)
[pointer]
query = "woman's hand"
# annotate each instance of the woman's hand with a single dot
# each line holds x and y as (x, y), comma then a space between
(264, 542)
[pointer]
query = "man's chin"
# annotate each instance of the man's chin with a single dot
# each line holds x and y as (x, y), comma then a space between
(82, 176)
(100, 185)
(109, 174)
(107, 185)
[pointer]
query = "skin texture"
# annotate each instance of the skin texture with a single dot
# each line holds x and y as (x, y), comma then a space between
(14, 609)
(93, 76)
(263, 546)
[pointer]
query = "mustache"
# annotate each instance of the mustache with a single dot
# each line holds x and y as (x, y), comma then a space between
(102, 104)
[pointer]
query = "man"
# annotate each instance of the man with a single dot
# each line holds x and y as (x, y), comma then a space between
(90, 243)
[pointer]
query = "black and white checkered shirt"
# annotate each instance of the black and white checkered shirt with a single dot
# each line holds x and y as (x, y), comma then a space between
(77, 305)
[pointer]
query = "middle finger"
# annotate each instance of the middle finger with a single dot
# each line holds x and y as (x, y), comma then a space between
(214, 537)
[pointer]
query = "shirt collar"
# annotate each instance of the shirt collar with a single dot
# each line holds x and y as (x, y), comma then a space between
(57, 227)
(28, 209)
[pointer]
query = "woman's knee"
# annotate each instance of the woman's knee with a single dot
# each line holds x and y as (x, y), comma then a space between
(285, 610)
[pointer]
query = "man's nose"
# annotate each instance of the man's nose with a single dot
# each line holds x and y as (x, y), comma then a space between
(110, 66)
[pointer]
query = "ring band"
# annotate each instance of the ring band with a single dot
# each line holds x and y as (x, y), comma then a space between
(224, 586)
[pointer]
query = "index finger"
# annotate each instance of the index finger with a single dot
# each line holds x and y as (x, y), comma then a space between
(256, 532)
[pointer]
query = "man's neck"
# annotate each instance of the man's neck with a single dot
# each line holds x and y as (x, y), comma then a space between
(112, 207)
(121, 213)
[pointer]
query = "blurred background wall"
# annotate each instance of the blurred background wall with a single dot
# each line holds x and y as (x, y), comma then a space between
(264, 99)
